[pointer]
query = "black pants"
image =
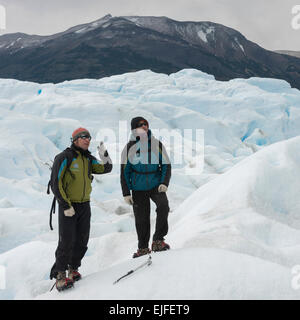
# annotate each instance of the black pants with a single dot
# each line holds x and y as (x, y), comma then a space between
(74, 235)
(142, 209)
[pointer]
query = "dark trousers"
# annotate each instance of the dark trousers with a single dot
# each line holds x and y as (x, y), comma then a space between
(74, 235)
(142, 209)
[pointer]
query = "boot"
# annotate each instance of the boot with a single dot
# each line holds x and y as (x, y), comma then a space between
(159, 245)
(73, 274)
(62, 282)
(141, 252)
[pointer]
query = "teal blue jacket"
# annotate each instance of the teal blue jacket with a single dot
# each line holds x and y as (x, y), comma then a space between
(144, 165)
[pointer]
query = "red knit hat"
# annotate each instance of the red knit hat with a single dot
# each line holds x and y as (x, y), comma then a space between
(78, 132)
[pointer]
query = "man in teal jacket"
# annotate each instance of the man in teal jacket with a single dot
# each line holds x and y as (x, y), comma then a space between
(146, 172)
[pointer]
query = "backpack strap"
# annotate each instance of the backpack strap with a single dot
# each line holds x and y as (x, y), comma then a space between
(70, 155)
(48, 188)
(52, 210)
(160, 153)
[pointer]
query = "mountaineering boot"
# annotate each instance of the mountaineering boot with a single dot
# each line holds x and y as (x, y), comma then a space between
(62, 282)
(159, 245)
(141, 252)
(73, 274)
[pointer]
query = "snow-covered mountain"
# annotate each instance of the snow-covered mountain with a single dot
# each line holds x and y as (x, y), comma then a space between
(115, 45)
(234, 229)
(16, 41)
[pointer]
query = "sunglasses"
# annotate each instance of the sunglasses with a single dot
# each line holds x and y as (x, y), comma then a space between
(85, 136)
(142, 124)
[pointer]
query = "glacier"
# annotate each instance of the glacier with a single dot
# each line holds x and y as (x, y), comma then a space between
(234, 229)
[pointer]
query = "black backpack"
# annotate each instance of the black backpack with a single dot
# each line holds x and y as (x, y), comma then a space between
(69, 156)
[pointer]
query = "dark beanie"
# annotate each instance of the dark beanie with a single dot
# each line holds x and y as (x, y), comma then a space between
(135, 121)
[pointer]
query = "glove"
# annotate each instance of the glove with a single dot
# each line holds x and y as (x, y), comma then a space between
(69, 212)
(162, 188)
(101, 150)
(128, 200)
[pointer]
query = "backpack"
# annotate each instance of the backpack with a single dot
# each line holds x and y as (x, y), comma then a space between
(70, 155)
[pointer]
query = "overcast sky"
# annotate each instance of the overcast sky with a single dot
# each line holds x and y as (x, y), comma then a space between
(266, 22)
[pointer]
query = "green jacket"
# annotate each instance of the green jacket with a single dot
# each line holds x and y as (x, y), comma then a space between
(71, 177)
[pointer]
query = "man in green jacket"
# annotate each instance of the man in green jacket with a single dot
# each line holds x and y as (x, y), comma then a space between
(71, 183)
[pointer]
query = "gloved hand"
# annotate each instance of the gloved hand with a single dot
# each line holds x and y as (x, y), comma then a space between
(101, 150)
(128, 200)
(69, 212)
(162, 188)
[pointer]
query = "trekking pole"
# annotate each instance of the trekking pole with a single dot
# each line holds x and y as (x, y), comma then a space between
(52, 287)
(47, 164)
(146, 263)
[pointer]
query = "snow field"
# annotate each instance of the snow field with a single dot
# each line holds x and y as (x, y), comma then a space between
(234, 229)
